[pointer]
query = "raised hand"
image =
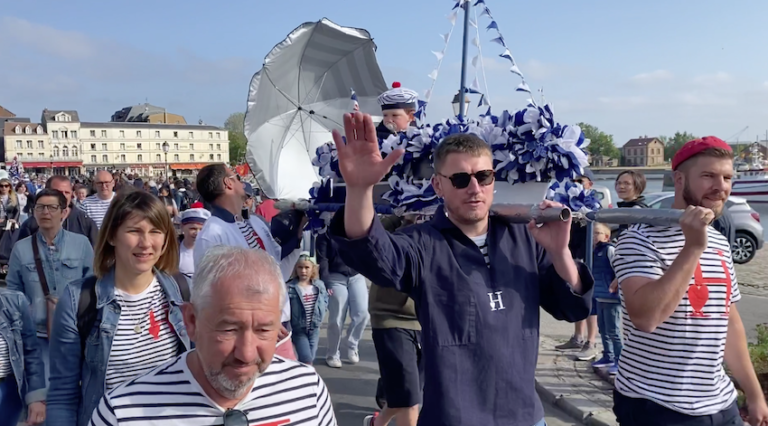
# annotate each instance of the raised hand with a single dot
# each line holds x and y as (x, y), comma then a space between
(360, 160)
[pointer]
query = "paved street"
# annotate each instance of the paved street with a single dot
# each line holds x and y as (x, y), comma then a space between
(353, 387)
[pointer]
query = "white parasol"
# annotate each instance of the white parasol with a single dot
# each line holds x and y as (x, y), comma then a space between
(300, 95)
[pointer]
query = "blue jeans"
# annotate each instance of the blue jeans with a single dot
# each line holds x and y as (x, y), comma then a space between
(349, 294)
(10, 402)
(305, 343)
(608, 322)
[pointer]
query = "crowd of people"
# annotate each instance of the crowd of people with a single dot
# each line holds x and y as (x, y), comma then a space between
(164, 303)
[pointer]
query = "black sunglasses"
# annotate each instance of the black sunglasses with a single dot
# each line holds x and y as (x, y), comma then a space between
(461, 180)
(235, 418)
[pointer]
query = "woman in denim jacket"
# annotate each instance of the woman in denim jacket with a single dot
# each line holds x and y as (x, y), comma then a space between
(139, 323)
(64, 256)
(22, 376)
(309, 301)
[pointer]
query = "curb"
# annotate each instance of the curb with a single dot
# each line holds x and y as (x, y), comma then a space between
(562, 402)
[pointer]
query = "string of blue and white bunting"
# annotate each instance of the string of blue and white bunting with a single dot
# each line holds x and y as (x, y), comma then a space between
(421, 112)
(485, 99)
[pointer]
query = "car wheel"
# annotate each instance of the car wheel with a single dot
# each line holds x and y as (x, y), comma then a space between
(744, 248)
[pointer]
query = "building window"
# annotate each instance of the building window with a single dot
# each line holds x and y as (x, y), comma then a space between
(122, 158)
(40, 145)
(55, 134)
(218, 135)
(191, 157)
(141, 158)
(29, 144)
(122, 147)
(19, 145)
(103, 133)
(20, 155)
(30, 155)
(218, 147)
(218, 157)
(175, 147)
(39, 130)
(157, 134)
(138, 146)
(93, 147)
(176, 135)
(210, 135)
(210, 157)
(104, 159)
(210, 147)
(191, 146)
(138, 134)
(17, 130)
(122, 133)
(55, 151)
(74, 151)
(93, 158)
(93, 133)
(64, 134)
(65, 152)
(175, 157)
(28, 131)
(157, 146)
(40, 155)
(191, 135)
(157, 158)
(103, 147)
(73, 134)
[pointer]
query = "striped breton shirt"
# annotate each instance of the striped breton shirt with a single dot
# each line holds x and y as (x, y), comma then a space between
(96, 208)
(5, 359)
(134, 353)
(680, 364)
(287, 393)
(482, 244)
(251, 237)
(309, 300)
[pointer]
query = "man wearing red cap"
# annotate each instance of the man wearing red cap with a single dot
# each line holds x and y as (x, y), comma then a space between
(679, 289)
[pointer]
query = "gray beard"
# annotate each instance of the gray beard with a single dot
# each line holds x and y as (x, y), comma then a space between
(226, 387)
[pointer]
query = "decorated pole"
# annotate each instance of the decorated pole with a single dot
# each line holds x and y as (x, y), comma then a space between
(464, 54)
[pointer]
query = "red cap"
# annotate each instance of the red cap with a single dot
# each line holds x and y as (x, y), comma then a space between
(691, 148)
(197, 205)
(396, 85)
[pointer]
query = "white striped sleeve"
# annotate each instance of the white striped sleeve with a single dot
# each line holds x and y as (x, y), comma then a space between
(636, 256)
(325, 416)
(104, 414)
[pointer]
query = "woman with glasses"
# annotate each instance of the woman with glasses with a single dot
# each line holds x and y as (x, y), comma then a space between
(9, 204)
(630, 185)
(128, 320)
(42, 264)
(21, 194)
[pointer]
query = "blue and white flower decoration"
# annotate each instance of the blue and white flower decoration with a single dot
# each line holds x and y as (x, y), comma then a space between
(527, 146)
(574, 196)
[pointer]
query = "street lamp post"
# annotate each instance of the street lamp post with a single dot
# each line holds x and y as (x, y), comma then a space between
(51, 164)
(166, 147)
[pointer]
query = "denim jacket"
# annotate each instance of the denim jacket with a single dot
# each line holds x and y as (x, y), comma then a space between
(69, 259)
(77, 384)
(298, 316)
(18, 331)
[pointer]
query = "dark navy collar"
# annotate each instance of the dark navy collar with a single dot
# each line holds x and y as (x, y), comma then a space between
(222, 214)
(441, 221)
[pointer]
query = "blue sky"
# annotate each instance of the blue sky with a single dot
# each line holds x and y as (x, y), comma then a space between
(630, 68)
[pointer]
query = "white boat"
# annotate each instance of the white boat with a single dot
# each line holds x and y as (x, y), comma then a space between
(752, 182)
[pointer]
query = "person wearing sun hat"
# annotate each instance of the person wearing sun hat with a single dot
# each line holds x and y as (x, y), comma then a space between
(192, 221)
(398, 105)
(679, 297)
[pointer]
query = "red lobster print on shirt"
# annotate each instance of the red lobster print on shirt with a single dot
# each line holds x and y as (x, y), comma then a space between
(698, 292)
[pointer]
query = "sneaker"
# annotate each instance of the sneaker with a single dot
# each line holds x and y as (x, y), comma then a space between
(368, 420)
(333, 362)
(603, 362)
(588, 352)
(613, 369)
(573, 343)
(353, 356)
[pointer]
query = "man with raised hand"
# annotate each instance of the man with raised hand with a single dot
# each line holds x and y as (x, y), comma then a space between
(477, 279)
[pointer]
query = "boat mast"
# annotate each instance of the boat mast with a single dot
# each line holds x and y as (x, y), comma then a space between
(465, 51)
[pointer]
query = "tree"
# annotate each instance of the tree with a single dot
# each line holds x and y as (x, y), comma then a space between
(601, 144)
(674, 143)
(237, 140)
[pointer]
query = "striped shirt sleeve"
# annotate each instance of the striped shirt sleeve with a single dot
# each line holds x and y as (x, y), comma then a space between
(636, 256)
(104, 415)
(325, 416)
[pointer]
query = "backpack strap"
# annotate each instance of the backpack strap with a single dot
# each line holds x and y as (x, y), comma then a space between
(86, 311)
(181, 281)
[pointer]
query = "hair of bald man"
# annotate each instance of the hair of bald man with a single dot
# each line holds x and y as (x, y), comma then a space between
(57, 178)
(257, 268)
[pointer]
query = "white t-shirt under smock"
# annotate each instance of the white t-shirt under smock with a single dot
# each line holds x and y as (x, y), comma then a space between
(132, 353)
(5, 359)
(287, 393)
(186, 260)
(482, 244)
(680, 364)
(309, 300)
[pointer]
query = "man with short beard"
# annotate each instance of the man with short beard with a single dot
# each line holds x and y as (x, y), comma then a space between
(232, 376)
(679, 290)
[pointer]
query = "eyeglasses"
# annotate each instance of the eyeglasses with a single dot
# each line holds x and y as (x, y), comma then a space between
(5, 186)
(235, 418)
(47, 207)
(105, 183)
(462, 180)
